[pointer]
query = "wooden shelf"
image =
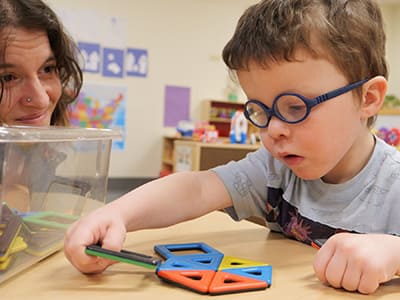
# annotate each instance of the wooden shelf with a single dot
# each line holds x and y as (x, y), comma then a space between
(221, 120)
(389, 111)
(211, 112)
(198, 156)
(186, 153)
(167, 161)
(219, 113)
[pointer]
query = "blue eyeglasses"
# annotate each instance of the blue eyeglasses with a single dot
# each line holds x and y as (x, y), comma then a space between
(291, 108)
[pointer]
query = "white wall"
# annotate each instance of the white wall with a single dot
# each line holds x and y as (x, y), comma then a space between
(391, 13)
(184, 39)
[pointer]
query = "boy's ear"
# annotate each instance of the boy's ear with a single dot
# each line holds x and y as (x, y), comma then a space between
(374, 92)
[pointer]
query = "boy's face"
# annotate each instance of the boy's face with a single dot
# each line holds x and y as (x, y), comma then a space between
(332, 142)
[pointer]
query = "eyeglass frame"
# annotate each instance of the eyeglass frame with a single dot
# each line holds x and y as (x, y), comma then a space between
(310, 103)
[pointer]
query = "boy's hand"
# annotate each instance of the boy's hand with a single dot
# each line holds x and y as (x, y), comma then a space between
(102, 226)
(358, 262)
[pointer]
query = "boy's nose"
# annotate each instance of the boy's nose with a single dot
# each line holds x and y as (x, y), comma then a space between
(277, 128)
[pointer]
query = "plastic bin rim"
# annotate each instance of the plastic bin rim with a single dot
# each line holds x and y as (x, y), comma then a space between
(9, 134)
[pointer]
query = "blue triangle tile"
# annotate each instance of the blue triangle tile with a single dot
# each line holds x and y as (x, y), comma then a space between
(263, 273)
(178, 264)
(210, 261)
(192, 262)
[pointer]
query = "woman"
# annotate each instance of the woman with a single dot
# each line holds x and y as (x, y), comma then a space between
(39, 72)
(40, 77)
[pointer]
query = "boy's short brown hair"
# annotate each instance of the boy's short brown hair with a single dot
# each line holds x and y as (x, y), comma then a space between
(348, 32)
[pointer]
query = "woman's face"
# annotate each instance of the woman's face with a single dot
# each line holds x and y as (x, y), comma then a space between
(31, 82)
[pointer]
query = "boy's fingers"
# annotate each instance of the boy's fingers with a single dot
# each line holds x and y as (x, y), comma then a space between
(114, 238)
(322, 260)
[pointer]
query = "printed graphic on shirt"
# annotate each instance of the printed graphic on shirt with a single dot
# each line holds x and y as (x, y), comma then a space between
(291, 222)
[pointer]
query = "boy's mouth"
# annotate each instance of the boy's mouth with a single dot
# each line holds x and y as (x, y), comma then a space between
(291, 159)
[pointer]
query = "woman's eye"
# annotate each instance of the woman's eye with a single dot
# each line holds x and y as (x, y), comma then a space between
(49, 69)
(7, 78)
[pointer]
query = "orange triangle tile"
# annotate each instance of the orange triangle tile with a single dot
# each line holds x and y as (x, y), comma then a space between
(224, 283)
(197, 280)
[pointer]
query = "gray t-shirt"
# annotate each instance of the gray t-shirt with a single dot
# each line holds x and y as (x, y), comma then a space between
(306, 210)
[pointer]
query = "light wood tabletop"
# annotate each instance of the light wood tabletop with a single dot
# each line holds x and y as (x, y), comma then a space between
(292, 275)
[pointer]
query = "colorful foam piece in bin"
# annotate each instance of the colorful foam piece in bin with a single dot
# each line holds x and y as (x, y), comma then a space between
(10, 240)
(197, 267)
(34, 233)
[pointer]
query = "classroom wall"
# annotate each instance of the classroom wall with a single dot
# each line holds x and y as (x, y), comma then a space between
(391, 14)
(184, 39)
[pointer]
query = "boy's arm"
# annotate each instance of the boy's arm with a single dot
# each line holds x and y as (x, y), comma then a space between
(358, 262)
(162, 202)
(172, 199)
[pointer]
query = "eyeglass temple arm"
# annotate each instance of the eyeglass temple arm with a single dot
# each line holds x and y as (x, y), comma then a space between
(339, 91)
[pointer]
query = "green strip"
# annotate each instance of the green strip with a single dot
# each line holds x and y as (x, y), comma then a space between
(120, 259)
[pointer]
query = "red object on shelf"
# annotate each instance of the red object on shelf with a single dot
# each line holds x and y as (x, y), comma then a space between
(220, 113)
(222, 127)
(165, 173)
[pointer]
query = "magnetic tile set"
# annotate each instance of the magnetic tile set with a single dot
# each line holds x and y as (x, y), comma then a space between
(198, 267)
(35, 234)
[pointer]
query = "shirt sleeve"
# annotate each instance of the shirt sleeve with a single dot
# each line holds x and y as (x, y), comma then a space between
(246, 183)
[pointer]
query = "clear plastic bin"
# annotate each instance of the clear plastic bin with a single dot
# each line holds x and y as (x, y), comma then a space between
(49, 177)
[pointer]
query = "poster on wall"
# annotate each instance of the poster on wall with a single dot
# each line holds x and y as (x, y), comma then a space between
(137, 62)
(101, 106)
(104, 46)
(176, 105)
(91, 56)
(113, 62)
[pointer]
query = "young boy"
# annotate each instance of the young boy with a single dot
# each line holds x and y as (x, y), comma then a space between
(315, 73)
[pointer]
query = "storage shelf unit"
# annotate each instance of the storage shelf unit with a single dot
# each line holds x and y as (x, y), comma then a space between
(219, 114)
(181, 154)
(167, 159)
(387, 111)
(198, 156)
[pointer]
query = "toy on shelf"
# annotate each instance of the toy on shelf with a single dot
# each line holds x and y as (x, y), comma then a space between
(389, 135)
(185, 128)
(219, 113)
(197, 267)
(238, 133)
(204, 132)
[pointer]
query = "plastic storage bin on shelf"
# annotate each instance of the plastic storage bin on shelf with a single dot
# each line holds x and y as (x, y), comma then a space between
(49, 177)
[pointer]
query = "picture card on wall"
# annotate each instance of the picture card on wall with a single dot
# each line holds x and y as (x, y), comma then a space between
(176, 105)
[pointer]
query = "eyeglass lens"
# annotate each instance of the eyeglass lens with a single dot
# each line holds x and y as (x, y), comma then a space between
(289, 108)
(256, 114)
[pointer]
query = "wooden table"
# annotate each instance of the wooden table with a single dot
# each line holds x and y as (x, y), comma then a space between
(293, 276)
